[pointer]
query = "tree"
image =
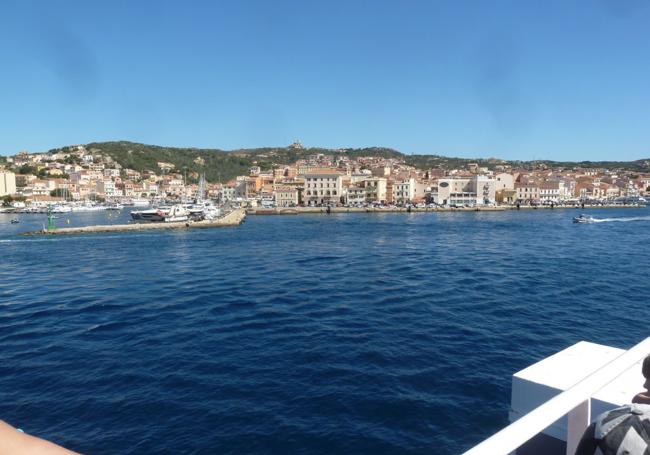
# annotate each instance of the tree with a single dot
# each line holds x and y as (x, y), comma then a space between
(7, 200)
(27, 169)
(72, 159)
(59, 192)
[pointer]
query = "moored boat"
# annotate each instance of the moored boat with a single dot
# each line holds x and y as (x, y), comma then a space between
(150, 215)
(172, 214)
(177, 213)
(140, 202)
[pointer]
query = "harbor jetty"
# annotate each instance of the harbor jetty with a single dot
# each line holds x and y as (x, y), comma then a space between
(233, 218)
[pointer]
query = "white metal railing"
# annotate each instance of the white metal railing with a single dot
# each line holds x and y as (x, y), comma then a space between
(575, 402)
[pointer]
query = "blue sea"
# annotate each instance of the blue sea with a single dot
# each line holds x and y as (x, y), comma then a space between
(311, 334)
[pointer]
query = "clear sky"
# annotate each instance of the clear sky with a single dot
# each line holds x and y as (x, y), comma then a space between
(557, 79)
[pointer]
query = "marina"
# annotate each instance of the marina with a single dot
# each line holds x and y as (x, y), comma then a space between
(233, 218)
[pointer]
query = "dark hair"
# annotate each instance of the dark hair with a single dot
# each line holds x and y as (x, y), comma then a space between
(645, 369)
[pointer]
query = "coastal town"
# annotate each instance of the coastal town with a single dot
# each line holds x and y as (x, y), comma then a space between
(83, 179)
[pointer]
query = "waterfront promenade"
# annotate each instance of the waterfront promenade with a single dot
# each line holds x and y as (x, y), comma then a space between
(500, 208)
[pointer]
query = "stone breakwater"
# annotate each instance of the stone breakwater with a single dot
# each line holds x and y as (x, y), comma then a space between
(233, 218)
(501, 208)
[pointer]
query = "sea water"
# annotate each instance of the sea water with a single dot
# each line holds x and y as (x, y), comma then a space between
(343, 333)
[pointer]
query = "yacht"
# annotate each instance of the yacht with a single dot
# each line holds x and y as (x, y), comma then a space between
(88, 207)
(153, 215)
(202, 211)
(60, 208)
(176, 213)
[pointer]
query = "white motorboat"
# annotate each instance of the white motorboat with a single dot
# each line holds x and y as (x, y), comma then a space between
(150, 215)
(140, 202)
(582, 218)
(177, 213)
(172, 214)
(203, 211)
(61, 208)
(88, 207)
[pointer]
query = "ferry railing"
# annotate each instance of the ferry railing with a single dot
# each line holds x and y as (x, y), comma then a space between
(574, 402)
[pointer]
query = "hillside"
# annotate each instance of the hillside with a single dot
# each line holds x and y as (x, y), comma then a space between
(221, 165)
(218, 165)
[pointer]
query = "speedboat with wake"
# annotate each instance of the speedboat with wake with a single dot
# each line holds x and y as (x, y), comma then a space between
(582, 218)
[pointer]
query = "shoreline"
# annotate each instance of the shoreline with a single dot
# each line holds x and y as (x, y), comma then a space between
(503, 208)
(236, 217)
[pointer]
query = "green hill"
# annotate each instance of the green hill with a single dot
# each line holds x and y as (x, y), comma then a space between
(218, 165)
(221, 165)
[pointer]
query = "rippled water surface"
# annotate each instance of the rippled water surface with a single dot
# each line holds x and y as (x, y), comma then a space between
(350, 333)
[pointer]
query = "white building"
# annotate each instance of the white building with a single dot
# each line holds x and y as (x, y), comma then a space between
(485, 188)
(475, 190)
(323, 188)
(376, 189)
(355, 195)
(504, 181)
(404, 192)
(549, 192)
(226, 194)
(285, 196)
(527, 192)
(111, 172)
(7, 183)
(106, 187)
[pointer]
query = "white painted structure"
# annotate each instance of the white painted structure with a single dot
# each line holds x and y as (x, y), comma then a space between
(475, 190)
(404, 191)
(7, 183)
(562, 394)
(323, 188)
(504, 181)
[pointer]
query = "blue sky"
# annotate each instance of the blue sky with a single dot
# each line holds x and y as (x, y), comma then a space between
(514, 79)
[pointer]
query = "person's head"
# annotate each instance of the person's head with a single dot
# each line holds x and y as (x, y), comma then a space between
(645, 369)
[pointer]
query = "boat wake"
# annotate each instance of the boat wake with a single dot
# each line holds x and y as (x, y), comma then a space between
(621, 219)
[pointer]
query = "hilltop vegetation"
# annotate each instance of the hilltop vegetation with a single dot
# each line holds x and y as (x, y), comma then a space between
(218, 165)
(221, 165)
(432, 161)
